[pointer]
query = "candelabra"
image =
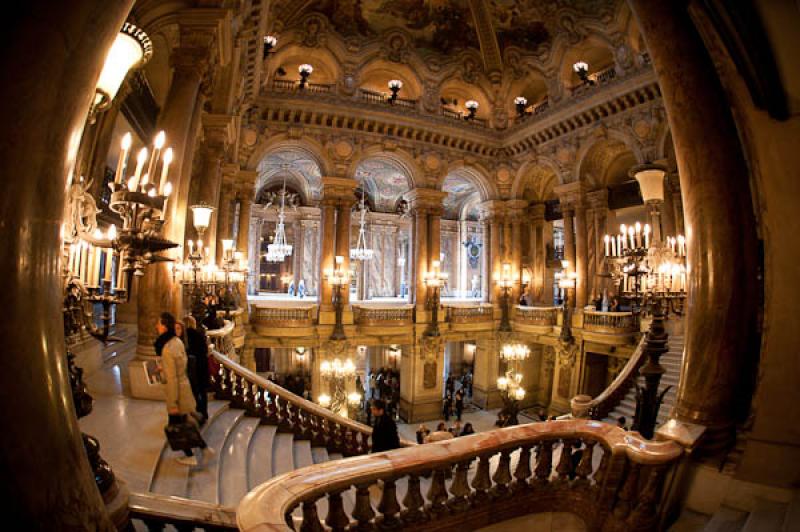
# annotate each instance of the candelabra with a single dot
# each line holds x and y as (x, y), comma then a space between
(566, 281)
(338, 278)
(337, 374)
(505, 281)
(510, 385)
(434, 280)
(234, 269)
(361, 252)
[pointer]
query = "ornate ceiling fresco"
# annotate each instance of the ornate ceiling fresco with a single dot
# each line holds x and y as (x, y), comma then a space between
(298, 168)
(460, 192)
(385, 183)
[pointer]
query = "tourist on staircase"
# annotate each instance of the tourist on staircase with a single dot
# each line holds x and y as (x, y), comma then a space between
(197, 352)
(178, 391)
(384, 431)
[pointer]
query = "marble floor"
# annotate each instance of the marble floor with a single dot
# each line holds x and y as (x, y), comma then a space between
(544, 522)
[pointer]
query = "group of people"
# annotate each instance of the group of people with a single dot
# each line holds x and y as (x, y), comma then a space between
(443, 432)
(384, 385)
(183, 348)
(299, 291)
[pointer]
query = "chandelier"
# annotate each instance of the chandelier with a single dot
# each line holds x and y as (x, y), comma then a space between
(279, 249)
(510, 384)
(338, 374)
(361, 252)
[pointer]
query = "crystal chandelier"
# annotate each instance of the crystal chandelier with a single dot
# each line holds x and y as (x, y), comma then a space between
(279, 249)
(361, 251)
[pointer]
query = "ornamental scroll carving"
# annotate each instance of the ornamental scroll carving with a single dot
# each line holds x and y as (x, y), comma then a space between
(82, 211)
(430, 347)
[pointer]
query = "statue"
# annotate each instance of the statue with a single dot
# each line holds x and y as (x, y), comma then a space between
(82, 210)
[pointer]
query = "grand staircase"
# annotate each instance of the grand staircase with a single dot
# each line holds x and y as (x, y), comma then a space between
(764, 516)
(671, 361)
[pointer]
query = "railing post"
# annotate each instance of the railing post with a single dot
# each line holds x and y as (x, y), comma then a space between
(389, 507)
(648, 400)
(363, 512)
(413, 501)
(337, 518)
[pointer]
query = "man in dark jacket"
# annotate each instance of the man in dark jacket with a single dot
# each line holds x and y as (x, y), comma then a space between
(197, 349)
(384, 430)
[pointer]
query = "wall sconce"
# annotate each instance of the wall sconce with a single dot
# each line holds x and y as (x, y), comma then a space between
(581, 68)
(131, 49)
(362, 350)
(521, 103)
(300, 353)
(472, 107)
(305, 71)
(394, 85)
(270, 41)
(201, 217)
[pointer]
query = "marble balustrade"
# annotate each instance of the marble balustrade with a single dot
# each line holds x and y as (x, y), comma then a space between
(469, 314)
(545, 316)
(390, 315)
(610, 322)
(478, 480)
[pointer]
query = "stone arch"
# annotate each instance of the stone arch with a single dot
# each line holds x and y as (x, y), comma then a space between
(477, 175)
(607, 160)
(276, 143)
(399, 157)
(295, 162)
(595, 49)
(327, 67)
(456, 89)
(531, 169)
(385, 178)
(376, 74)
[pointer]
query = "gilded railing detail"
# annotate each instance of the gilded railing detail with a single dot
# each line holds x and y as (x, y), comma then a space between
(542, 316)
(474, 314)
(610, 322)
(387, 316)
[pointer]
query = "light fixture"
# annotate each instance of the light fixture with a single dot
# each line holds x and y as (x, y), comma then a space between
(338, 278)
(505, 280)
(651, 182)
(434, 280)
(581, 68)
(269, 43)
(361, 252)
(337, 374)
(521, 103)
(280, 248)
(394, 85)
(472, 107)
(132, 48)
(201, 217)
(305, 71)
(510, 384)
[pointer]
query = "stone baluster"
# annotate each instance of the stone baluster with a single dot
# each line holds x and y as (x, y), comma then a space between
(337, 518)
(584, 468)
(270, 408)
(523, 471)
(284, 417)
(481, 481)
(311, 521)
(627, 494)
(600, 472)
(388, 506)
(544, 461)
(459, 488)
(437, 493)
(363, 512)
(644, 515)
(413, 501)
(565, 467)
(502, 476)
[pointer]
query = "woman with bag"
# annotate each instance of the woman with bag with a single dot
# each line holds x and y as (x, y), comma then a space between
(182, 430)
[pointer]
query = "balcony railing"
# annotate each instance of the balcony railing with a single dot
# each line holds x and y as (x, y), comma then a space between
(542, 316)
(386, 316)
(382, 98)
(603, 404)
(281, 316)
(473, 314)
(474, 481)
(455, 115)
(287, 85)
(610, 322)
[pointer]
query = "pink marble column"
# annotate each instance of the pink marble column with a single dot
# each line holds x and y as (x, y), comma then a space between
(581, 258)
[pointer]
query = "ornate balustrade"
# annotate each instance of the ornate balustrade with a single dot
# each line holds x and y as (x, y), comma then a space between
(474, 481)
(266, 319)
(384, 316)
(599, 407)
(157, 511)
(382, 98)
(610, 322)
(286, 85)
(223, 340)
(454, 115)
(472, 314)
(541, 316)
(291, 413)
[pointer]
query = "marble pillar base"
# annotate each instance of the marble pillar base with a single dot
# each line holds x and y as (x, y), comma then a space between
(486, 399)
(421, 410)
(143, 372)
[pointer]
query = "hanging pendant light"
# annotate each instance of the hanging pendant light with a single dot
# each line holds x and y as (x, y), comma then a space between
(279, 249)
(361, 252)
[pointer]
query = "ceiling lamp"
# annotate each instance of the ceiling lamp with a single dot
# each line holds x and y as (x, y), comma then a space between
(361, 252)
(472, 107)
(394, 85)
(521, 102)
(270, 41)
(279, 249)
(305, 71)
(131, 49)
(581, 68)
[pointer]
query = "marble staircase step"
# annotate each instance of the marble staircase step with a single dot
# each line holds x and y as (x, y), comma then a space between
(282, 454)
(259, 459)
(171, 478)
(767, 516)
(726, 520)
(689, 521)
(234, 463)
(319, 454)
(301, 450)
(203, 479)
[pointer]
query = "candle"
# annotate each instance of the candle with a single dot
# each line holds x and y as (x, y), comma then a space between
(681, 246)
(119, 284)
(144, 181)
(167, 192)
(614, 246)
(638, 227)
(98, 259)
(191, 246)
(166, 161)
(158, 143)
(647, 235)
(606, 239)
(140, 160)
(619, 245)
(623, 230)
(631, 236)
(125, 146)
(84, 268)
(107, 270)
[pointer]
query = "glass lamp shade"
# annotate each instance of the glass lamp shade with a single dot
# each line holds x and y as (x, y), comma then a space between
(580, 66)
(651, 182)
(270, 40)
(324, 400)
(395, 84)
(520, 100)
(305, 68)
(519, 394)
(354, 398)
(471, 104)
(131, 48)
(227, 244)
(201, 216)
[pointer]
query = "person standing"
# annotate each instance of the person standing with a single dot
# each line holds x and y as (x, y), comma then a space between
(178, 392)
(447, 406)
(197, 351)
(440, 434)
(459, 404)
(384, 431)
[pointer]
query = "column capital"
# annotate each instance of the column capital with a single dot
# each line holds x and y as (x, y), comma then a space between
(208, 29)
(220, 128)
(338, 189)
(536, 212)
(571, 195)
(597, 199)
(491, 210)
(427, 199)
(190, 60)
(515, 209)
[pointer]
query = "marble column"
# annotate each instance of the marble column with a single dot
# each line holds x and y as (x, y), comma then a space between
(245, 208)
(538, 253)
(343, 239)
(47, 480)
(225, 217)
(420, 231)
(581, 258)
(496, 260)
(721, 341)
(486, 262)
(596, 219)
(298, 252)
(327, 245)
(677, 204)
(487, 368)
(516, 210)
(435, 234)
(569, 236)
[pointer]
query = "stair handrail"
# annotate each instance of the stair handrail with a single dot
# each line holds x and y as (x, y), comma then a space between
(292, 413)
(623, 490)
(599, 407)
(157, 510)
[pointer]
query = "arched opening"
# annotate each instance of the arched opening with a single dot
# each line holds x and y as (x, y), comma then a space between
(462, 241)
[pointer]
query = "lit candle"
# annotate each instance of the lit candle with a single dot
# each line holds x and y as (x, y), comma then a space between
(125, 146)
(623, 230)
(619, 245)
(167, 191)
(681, 246)
(647, 235)
(638, 227)
(166, 161)
(143, 183)
(120, 278)
(140, 160)
(84, 269)
(606, 240)
(158, 143)
(632, 238)
(614, 246)
(191, 246)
